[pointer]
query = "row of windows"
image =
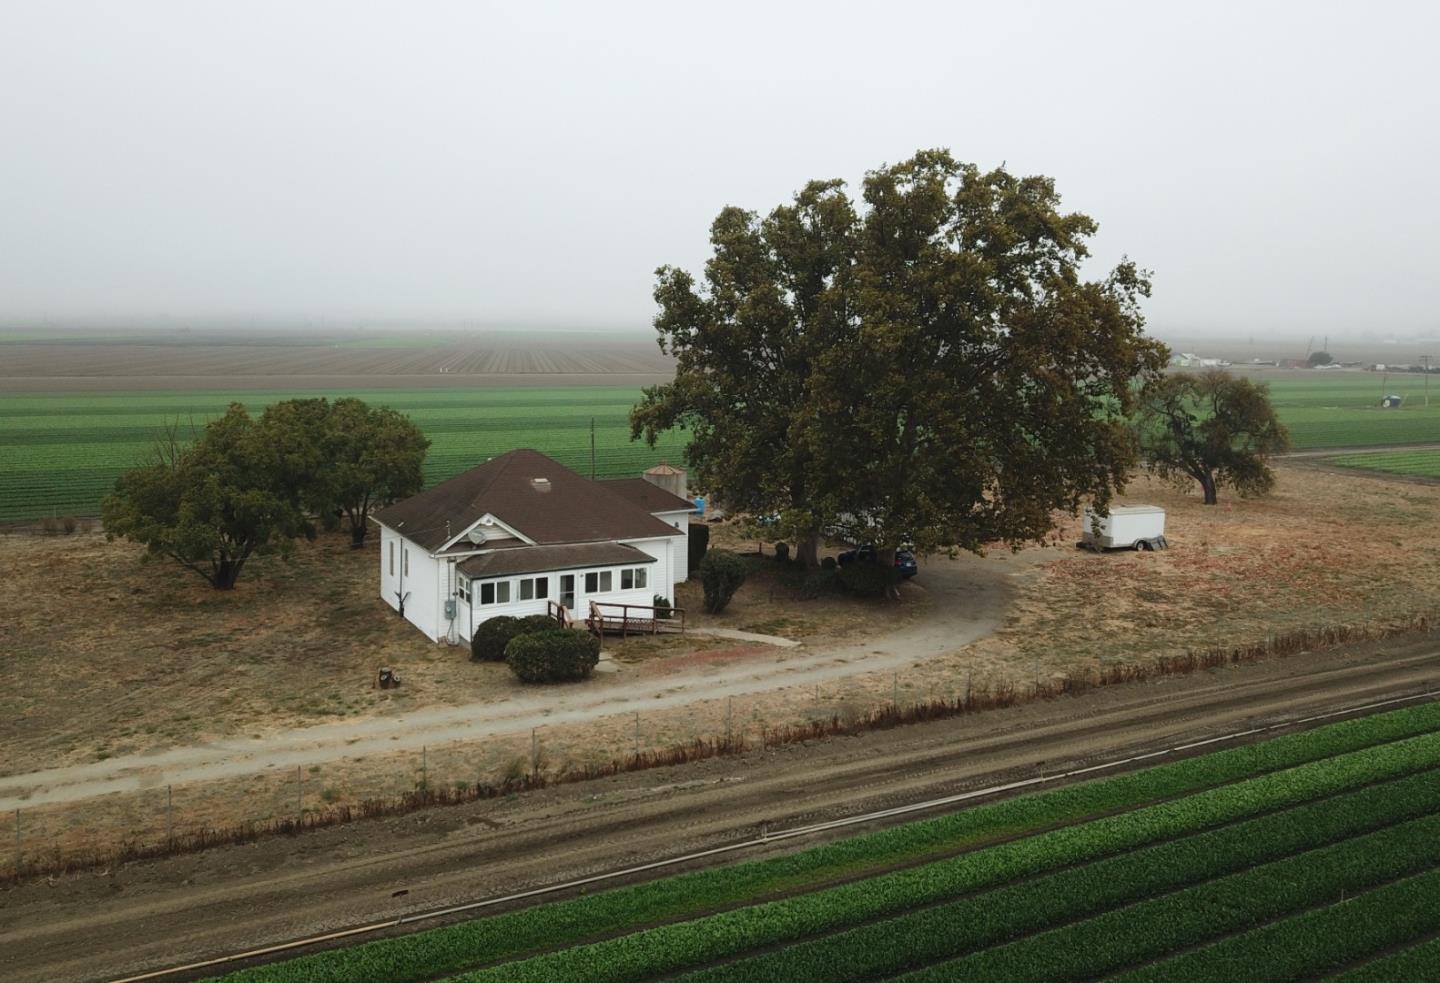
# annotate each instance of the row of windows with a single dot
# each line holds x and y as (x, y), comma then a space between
(538, 588)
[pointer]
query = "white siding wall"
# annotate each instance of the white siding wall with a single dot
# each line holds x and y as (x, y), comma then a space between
(681, 545)
(419, 583)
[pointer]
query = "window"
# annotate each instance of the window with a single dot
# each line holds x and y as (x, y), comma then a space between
(487, 593)
(502, 592)
(600, 582)
(463, 589)
(592, 583)
(606, 581)
(534, 588)
(392, 559)
(495, 592)
(405, 561)
(632, 579)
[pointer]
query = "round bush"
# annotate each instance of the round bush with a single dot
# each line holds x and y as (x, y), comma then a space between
(721, 574)
(553, 655)
(817, 583)
(828, 563)
(491, 636)
(782, 552)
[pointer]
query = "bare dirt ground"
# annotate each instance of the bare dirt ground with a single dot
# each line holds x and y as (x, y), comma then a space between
(243, 360)
(148, 915)
(250, 701)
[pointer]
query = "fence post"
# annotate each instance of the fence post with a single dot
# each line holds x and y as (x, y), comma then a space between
(895, 692)
(424, 768)
(17, 841)
(299, 794)
(729, 718)
(637, 735)
(534, 753)
(170, 815)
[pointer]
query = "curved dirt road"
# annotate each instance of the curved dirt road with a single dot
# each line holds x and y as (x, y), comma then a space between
(969, 598)
(164, 913)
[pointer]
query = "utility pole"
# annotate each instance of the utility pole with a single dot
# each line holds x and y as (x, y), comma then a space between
(1425, 360)
(592, 448)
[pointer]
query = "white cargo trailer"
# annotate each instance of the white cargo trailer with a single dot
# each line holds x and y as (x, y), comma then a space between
(1139, 527)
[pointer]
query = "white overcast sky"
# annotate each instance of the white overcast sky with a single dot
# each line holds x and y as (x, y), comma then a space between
(522, 164)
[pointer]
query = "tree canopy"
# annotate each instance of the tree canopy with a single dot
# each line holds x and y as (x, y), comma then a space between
(212, 505)
(1212, 428)
(245, 486)
(927, 368)
(1320, 358)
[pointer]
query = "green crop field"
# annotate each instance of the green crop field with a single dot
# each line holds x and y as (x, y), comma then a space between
(1293, 858)
(1341, 409)
(60, 453)
(1424, 464)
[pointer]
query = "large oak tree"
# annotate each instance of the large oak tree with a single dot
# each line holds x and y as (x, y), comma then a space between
(930, 367)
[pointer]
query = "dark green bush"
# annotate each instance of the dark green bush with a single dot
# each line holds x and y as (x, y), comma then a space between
(818, 583)
(553, 655)
(490, 637)
(869, 578)
(828, 563)
(782, 552)
(663, 607)
(698, 543)
(493, 634)
(721, 575)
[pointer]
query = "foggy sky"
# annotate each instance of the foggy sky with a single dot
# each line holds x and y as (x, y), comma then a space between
(515, 164)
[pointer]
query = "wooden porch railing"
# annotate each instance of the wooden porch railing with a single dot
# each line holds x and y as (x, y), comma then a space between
(608, 616)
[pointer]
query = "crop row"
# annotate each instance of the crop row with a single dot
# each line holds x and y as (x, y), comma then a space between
(1421, 962)
(1424, 463)
(429, 954)
(1148, 929)
(1319, 940)
(986, 919)
(889, 946)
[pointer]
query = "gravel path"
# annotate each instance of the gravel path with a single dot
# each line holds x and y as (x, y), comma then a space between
(970, 595)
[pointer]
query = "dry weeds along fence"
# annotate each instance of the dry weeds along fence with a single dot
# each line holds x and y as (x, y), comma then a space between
(54, 860)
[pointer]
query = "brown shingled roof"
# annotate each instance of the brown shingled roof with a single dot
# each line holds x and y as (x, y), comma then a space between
(542, 559)
(561, 508)
(650, 497)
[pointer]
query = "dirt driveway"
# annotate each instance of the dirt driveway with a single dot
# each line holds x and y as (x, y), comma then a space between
(969, 597)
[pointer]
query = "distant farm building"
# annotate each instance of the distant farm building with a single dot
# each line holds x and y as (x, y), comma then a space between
(1391, 402)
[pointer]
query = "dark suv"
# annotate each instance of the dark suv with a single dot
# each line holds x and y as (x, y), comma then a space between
(904, 560)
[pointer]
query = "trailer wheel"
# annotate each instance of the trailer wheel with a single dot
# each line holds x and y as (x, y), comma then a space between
(1142, 546)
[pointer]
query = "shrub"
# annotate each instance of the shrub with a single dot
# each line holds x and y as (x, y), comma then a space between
(721, 574)
(663, 607)
(493, 634)
(68, 524)
(869, 578)
(817, 583)
(552, 655)
(828, 563)
(782, 552)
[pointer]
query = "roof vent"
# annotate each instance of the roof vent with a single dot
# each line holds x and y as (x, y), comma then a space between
(540, 484)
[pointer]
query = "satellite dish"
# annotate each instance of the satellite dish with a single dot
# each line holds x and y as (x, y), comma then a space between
(476, 536)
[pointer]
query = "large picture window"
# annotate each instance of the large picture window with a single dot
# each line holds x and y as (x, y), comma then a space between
(534, 588)
(599, 582)
(633, 578)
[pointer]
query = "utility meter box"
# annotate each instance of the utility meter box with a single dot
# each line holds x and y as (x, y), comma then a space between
(450, 609)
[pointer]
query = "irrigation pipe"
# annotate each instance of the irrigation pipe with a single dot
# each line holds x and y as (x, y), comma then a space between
(765, 838)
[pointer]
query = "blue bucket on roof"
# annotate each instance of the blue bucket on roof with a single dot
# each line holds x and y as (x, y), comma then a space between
(699, 505)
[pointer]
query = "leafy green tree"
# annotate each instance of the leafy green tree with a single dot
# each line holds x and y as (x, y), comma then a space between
(929, 369)
(1320, 358)
(1212, 428)
(346, 457)
(745, 346)
(212, 505)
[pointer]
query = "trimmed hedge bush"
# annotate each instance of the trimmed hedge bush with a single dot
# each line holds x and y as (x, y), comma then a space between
(869, 578)
(721, 574)
(553, 655)
(494, 634)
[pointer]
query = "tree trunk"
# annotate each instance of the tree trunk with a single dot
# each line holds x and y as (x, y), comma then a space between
(885, 560)
(226, 573)
(1207, 483)
(357, 533)
(807, 550)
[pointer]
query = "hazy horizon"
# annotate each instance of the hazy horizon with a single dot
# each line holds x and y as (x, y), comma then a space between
(443, 166)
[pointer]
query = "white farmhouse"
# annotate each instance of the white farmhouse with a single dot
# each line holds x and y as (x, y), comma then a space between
(520, 532)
